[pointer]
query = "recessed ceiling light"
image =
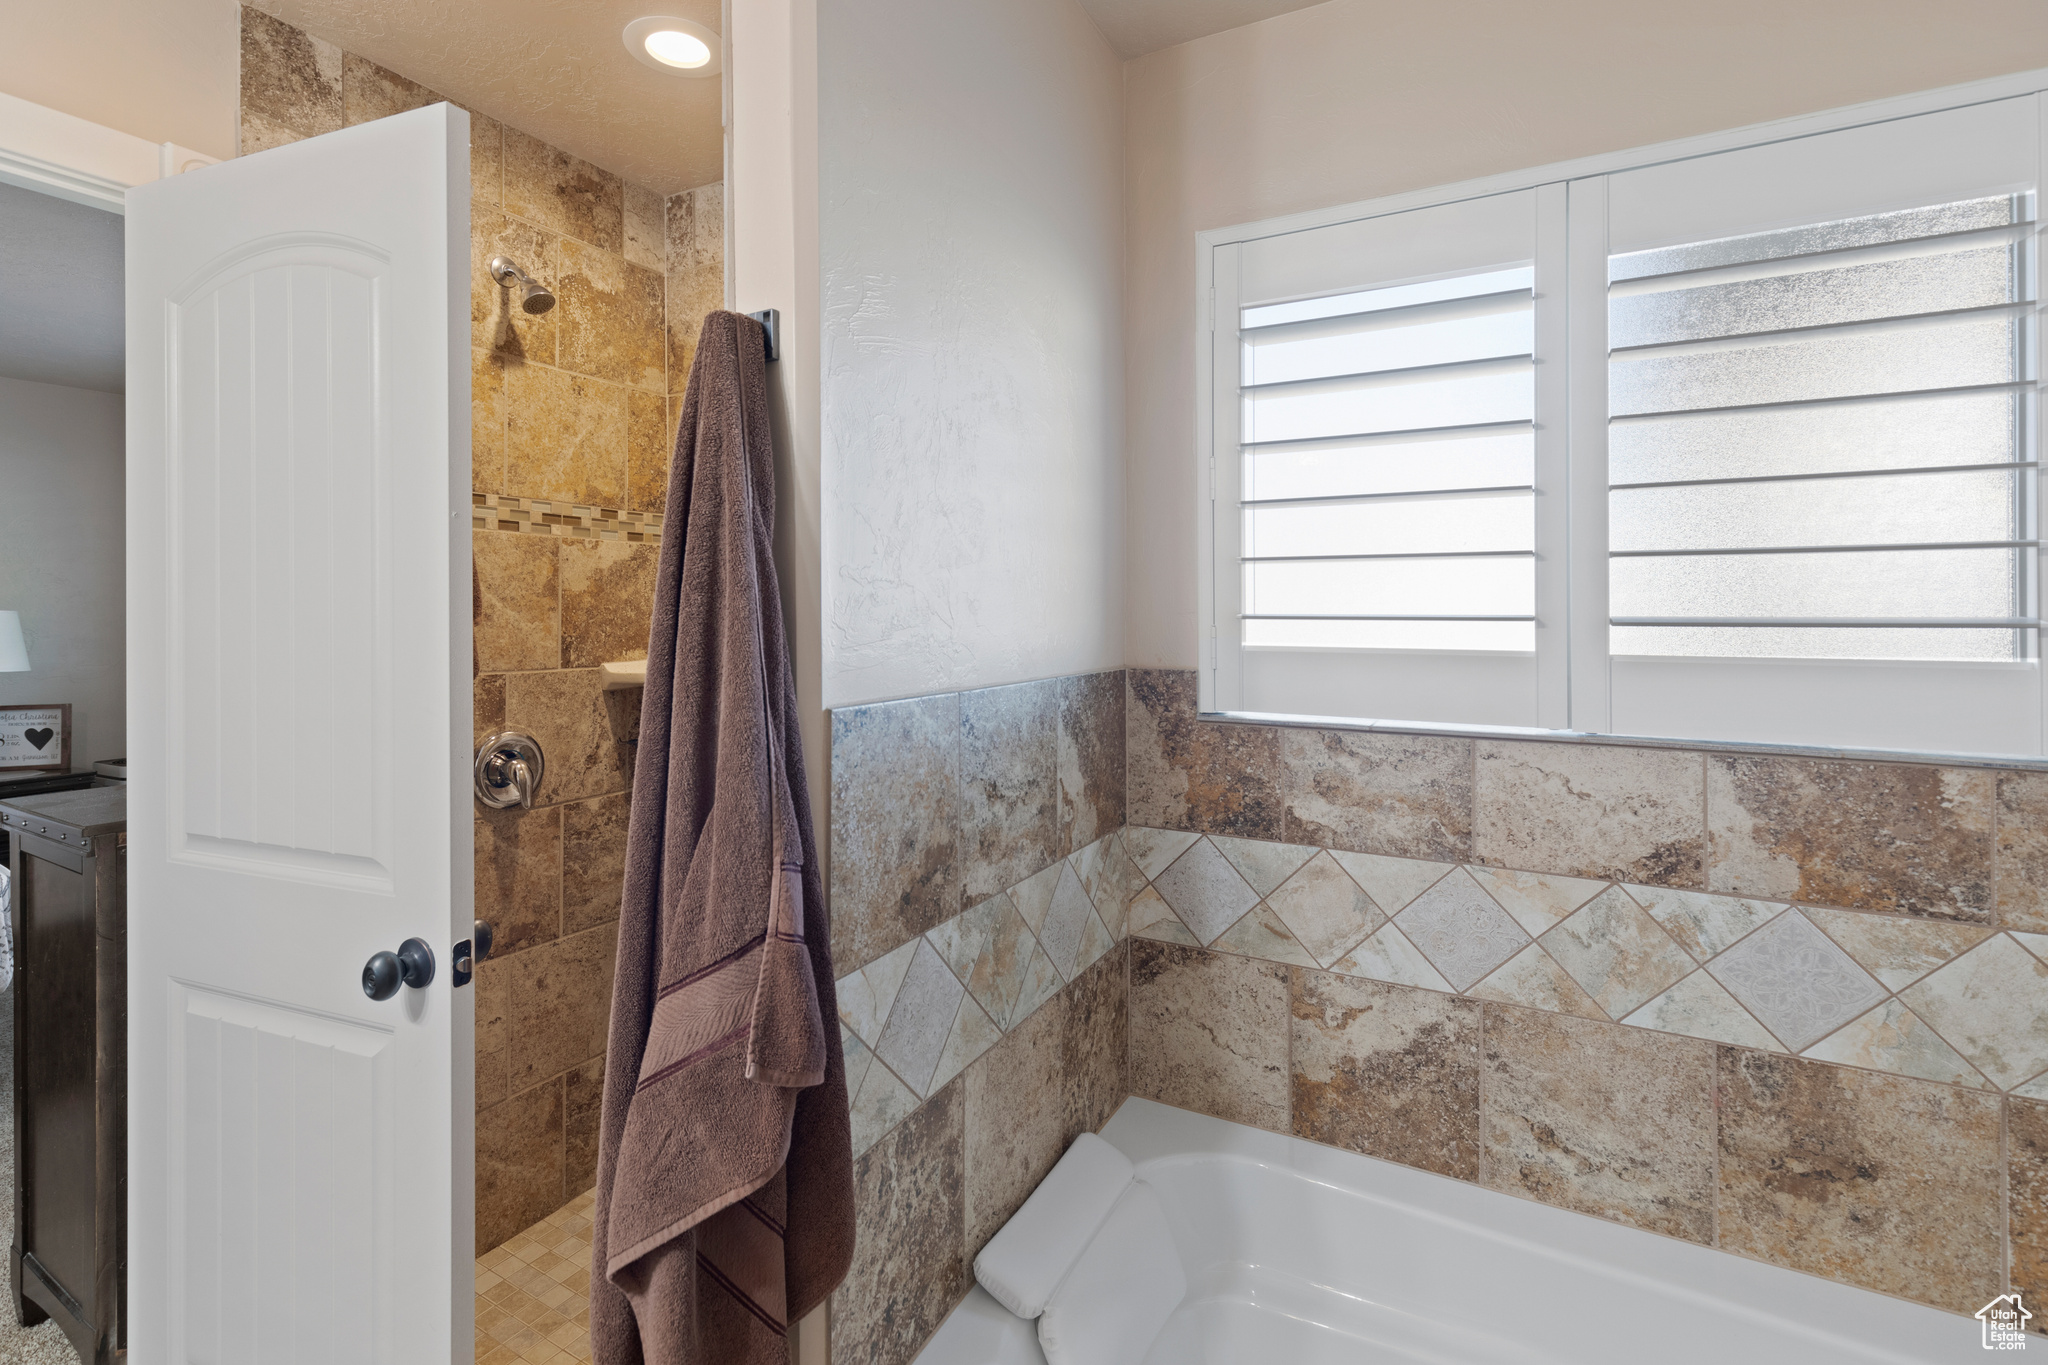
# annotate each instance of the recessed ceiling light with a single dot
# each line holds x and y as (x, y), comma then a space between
(673, 47)
(678, 47)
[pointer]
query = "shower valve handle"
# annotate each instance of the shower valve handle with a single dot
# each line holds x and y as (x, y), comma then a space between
(509, 767)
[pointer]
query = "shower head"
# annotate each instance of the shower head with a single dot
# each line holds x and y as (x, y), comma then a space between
(534, 296)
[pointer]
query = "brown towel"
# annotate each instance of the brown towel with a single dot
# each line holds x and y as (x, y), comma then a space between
(725, 1170)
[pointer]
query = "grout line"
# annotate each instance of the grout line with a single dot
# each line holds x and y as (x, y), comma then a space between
(1706, 829)
(1482, 1162)
(1995, 911)
(2005, 1192)
(1714, 1105)
(1288, 976)
(1472, 830)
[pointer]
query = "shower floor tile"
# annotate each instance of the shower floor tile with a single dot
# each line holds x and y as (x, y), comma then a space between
(533, 1293)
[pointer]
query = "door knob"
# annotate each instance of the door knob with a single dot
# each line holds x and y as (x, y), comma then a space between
(412, 965)
(509, 767)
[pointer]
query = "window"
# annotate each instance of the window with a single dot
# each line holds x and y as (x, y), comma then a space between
(1742, 446)
(1389, 467)
(1843, 398)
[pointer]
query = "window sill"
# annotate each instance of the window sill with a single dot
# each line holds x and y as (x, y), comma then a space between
(1533, 734)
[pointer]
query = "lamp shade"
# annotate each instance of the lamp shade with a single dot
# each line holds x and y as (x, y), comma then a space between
(13, 650)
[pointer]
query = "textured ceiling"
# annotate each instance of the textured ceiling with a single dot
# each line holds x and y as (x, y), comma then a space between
(1135, 27)
(60, 292)
(554, 68)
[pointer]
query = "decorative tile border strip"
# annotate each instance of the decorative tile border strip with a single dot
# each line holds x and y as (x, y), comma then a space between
(1960, 1004)
(498, 512)
(913, 1019)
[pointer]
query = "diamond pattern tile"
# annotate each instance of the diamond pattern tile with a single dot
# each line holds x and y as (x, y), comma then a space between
(1899, 952)
(1110, 878)
(1700, 1007)
(859, 1056)
(973, 1033)
(1536, 901)
(1040, 984)
(1096, 940)
(866, 996)
(1205, 891)
(1261, 934)
(1151, 917)
(1391, 882)
(882, 1102)
(1893, 1038)
(1154, 850)
(996, 978)
(1616, 952)
(920, 1019)
(1533, 978)
(1703, 925)
(1389, 956)
(1460, 929)
(1796, 980)
(1067, 922)
(1327, 912)
(1033, 895)
(1262, 864)
(1991, 1004)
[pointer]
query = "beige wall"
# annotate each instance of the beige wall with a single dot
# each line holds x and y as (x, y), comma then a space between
(60, 524)
(1355, 99)
(970, 187)
(163, 70)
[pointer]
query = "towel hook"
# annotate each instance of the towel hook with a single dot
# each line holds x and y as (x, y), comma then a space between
(771, 323)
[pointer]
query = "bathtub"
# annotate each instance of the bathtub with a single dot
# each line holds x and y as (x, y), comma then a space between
(1299, 1253)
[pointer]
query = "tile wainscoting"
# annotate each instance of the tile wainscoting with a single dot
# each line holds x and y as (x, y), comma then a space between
(1794, 1009)
(978, 884)
(1955, 1003)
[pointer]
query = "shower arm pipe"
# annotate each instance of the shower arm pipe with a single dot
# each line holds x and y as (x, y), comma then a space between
(535, 297)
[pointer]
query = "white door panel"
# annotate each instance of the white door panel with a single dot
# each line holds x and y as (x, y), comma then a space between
(280, 1133)
(299, 645)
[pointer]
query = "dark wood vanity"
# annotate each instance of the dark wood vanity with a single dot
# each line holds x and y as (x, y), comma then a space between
(68, 856)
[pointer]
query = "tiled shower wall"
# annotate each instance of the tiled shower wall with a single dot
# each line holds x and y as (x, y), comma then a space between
(572, 426)
(1794, 1009)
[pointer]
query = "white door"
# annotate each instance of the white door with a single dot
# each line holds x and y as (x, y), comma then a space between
(298, 717)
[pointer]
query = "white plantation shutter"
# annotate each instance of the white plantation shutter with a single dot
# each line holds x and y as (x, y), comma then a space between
(1819, 436)
(1385, 513)
(1389, 467)
(1739, 446)
(1822, 508)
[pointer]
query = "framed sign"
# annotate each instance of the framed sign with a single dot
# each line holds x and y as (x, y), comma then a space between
(35, 739)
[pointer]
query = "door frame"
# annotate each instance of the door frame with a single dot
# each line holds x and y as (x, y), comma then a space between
(88, 163)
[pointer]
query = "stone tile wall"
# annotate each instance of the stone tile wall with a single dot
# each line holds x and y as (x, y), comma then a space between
(1793, 1009)
(1796, 1009)
(573, 416)
(978, 887)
